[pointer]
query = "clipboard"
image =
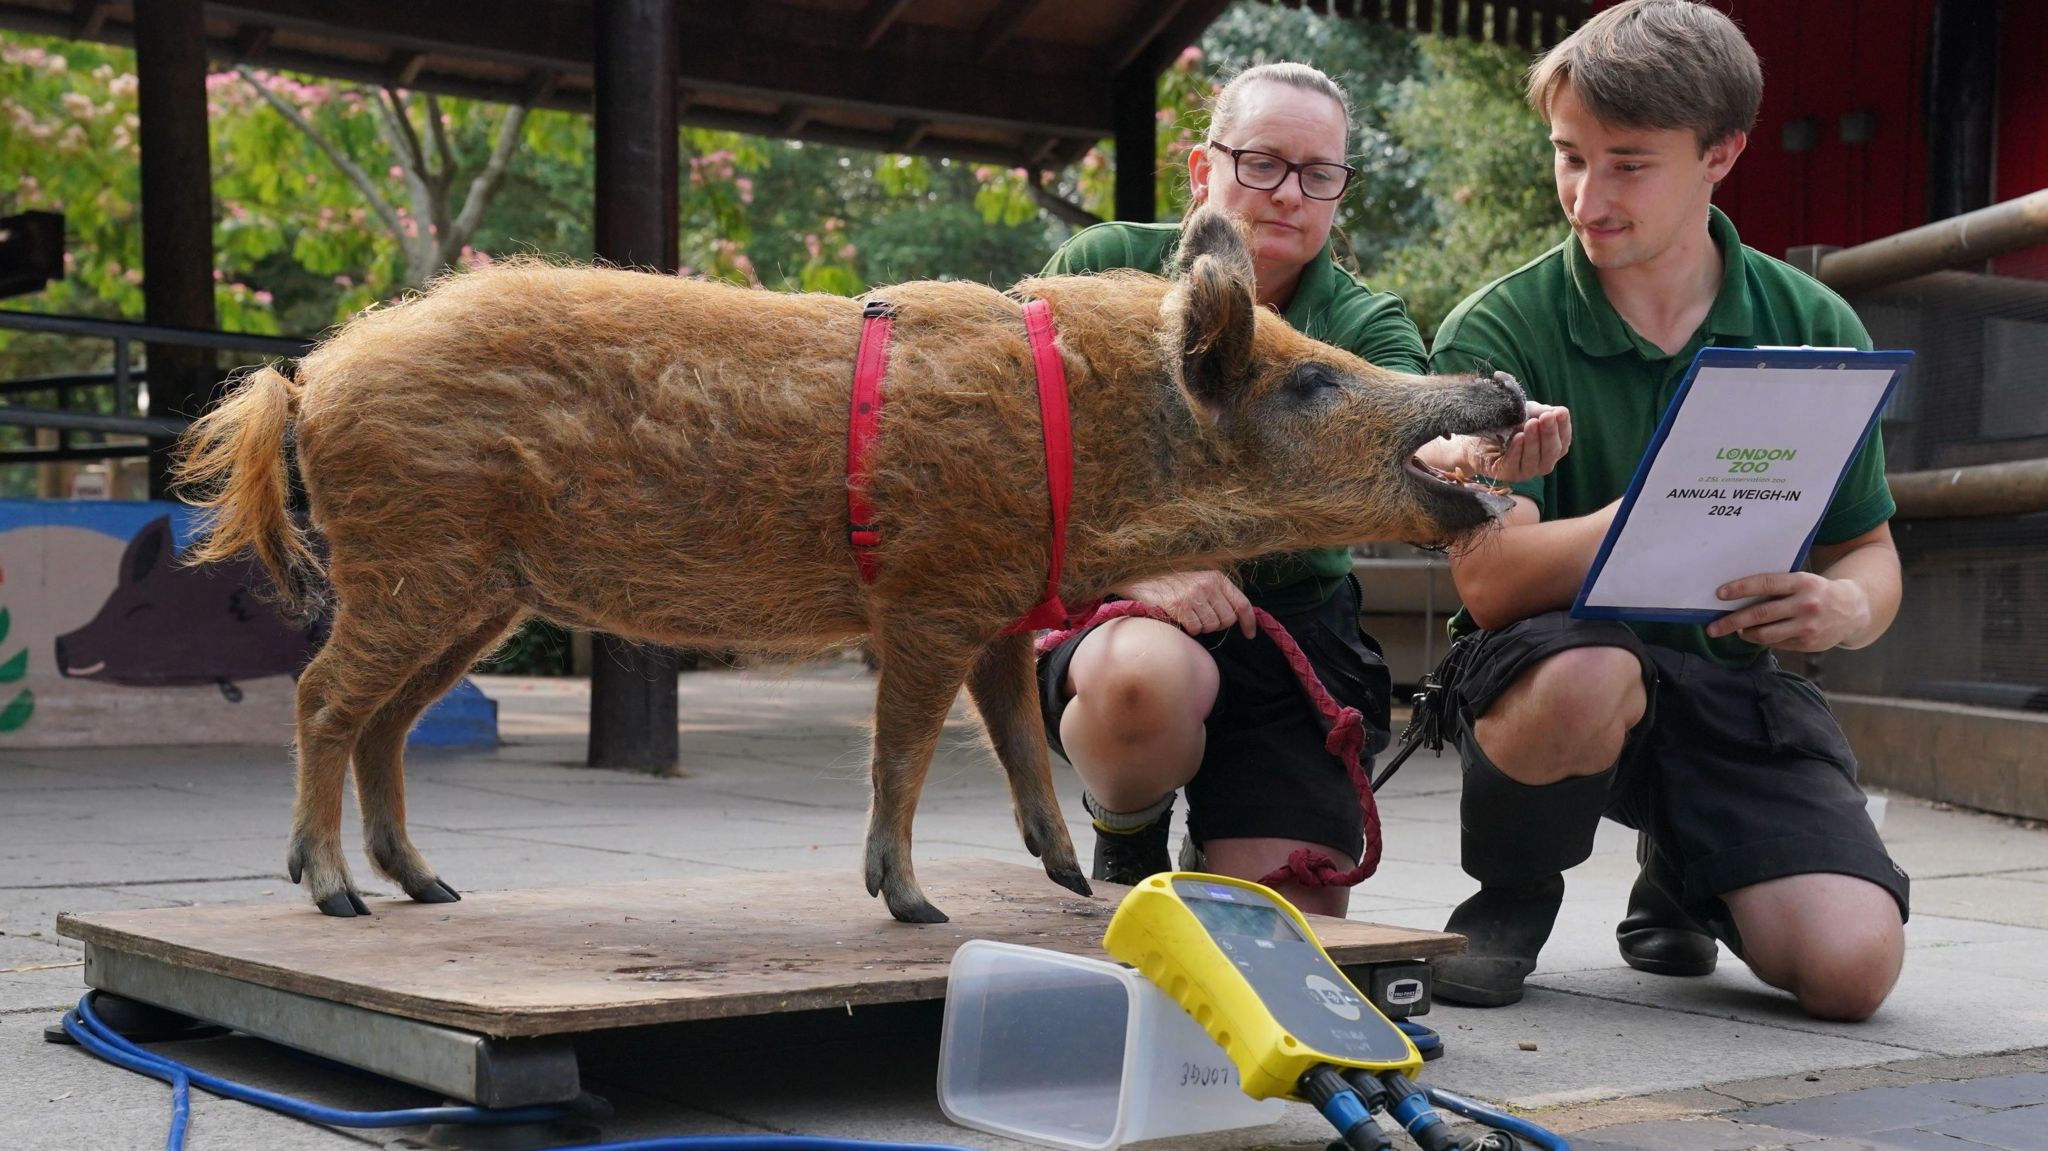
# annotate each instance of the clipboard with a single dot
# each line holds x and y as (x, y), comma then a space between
(1666, 568)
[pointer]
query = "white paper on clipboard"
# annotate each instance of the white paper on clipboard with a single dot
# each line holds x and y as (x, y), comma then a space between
(1737, 479)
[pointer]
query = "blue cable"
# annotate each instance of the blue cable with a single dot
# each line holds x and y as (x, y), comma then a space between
(1425, 1039)
(1501, 1120)
(91, 1033)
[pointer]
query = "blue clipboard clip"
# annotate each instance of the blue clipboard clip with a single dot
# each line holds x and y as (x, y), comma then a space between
(1738, 358)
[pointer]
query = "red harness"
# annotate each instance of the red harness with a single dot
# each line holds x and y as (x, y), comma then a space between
(864, 424)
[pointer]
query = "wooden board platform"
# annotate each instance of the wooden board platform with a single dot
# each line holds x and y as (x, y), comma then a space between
(561, 960)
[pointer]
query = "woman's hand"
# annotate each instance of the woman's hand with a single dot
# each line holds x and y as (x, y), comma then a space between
(1200, 602)
(1532, 451)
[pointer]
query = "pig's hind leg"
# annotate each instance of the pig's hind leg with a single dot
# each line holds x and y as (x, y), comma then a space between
(1005, 693)
(380, 763)
(366, 660)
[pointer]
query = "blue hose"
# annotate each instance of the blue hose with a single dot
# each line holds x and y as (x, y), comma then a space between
(1425, 1039)
(1500, 1120)
(91, 1033)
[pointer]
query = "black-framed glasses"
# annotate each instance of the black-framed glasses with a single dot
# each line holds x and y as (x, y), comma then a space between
(1263, 172)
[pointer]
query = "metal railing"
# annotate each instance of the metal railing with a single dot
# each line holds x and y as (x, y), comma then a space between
(124, 382)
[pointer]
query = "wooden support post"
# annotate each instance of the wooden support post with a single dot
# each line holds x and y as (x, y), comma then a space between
(633, 687)
(1962, 97)
(177, 209)
(1134, 113)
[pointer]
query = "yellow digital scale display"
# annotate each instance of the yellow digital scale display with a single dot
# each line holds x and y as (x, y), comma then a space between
(1245, 964)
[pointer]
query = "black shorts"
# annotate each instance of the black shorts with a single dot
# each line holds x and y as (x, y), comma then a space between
(1738, 775)
(1265, 772)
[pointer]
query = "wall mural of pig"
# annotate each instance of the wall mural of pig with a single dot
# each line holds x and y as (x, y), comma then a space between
(66, 573)
(169, 624)
(666, 459)
(108, 639)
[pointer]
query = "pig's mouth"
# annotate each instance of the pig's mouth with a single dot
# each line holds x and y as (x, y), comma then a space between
(1456, 479)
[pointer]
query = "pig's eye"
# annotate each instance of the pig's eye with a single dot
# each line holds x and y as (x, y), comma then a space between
(1314, 381)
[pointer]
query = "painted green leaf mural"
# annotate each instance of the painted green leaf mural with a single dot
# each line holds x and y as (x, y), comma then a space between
(16, 713)
(23, 705)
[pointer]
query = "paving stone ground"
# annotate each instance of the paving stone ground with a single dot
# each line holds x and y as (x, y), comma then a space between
(776, 780)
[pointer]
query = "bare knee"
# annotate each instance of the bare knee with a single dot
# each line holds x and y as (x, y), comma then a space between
(1137, 685)
(1254, 858)
(1844, 985)
(1834, 941)
(1134, 727)
(1569, 715)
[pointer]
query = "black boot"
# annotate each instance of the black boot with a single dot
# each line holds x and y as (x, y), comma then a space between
(1518, 841)
(1657, 935)
(1504, 929)
(1130, 847)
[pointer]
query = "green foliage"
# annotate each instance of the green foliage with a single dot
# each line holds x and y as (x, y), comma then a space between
(298, 235)
(804, 217)
(1487, 171)
(537, 648)
(70, 125)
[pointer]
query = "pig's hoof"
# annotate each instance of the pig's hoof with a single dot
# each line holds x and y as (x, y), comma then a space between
(434, 892)
(343, 905)
(1071, 879)
(913, 909)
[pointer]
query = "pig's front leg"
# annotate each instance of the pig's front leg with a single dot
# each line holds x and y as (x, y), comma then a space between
(921, 675)
(1005, 692)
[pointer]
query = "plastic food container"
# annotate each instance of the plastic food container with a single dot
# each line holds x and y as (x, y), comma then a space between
(1079, 1053)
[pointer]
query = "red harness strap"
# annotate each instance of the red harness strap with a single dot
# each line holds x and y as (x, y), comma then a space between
(872, 363)
(1059, 460)
(878, 320)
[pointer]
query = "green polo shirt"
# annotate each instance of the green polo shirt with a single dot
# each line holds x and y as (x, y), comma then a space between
(1550, 324)
(1328, 305)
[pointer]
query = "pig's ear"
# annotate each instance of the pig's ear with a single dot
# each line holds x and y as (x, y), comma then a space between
(146, 550)
(1214, 307)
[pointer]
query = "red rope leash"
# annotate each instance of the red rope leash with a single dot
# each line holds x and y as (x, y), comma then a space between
(1346, 741)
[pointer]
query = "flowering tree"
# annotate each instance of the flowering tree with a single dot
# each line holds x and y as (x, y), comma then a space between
(431, 230)
(332, 195)
(69, 143)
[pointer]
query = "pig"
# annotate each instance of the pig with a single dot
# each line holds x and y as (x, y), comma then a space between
(665, 459)
(168, 624)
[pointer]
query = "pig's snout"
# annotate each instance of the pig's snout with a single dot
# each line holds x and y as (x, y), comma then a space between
(1499, 404)
(1513, 387)
(64, 664)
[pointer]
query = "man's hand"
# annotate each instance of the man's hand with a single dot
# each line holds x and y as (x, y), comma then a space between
(1534, 449)
(1805, 611)
(1544, 438)
(1199, 602)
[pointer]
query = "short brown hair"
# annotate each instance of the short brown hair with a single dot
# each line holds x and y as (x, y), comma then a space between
(1657, 64)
